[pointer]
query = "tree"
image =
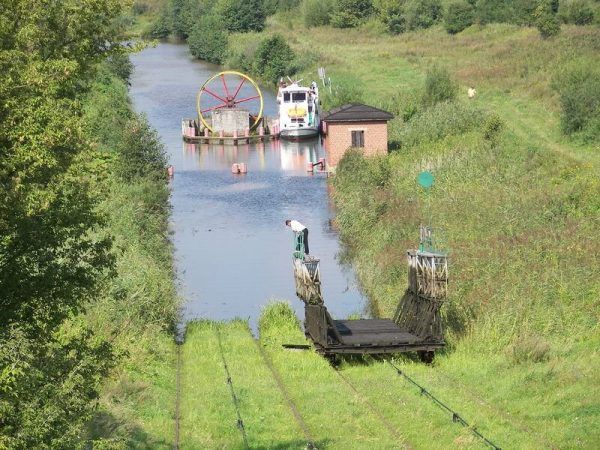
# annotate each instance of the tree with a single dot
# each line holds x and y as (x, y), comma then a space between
(420, 14)
(459, 15)
(52, 259)
(578, 12)
(546, 20)
(317, 12)
(391, 13)
(350, 13)
(208, 40)
(241, 15)
(273, 58)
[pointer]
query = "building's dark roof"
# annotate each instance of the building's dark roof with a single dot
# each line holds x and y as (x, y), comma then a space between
(356, 112)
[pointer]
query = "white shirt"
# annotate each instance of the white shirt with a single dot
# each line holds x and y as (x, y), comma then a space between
(297, 226)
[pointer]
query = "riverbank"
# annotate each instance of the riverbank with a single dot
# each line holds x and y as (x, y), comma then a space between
(139, 308)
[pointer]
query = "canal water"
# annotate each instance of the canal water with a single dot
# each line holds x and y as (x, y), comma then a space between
(233, 250)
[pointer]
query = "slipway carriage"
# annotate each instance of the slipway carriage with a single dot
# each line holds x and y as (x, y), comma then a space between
(415, 327)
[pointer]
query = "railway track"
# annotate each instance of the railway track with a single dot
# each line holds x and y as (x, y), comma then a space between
(382, 419)
(234, 398)
(310, 442)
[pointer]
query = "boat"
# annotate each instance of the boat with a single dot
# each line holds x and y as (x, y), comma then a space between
(298, 110)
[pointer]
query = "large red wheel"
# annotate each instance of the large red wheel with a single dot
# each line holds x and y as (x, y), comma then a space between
(229, 89)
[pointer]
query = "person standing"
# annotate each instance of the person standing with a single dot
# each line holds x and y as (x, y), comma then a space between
(298, 228)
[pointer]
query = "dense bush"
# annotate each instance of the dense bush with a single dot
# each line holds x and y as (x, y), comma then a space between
(439, 86)
(317, 12)
(208, 40)
(459, 15)
(546, 20)
(139, 7)
(273, 59)
(578, 12)
(391, 13)
(420, 14)
(140, 154)
(350, 13)
(436, 122)
(241, 15)
(505, 11)
(579, 90)
(272, 6)
(160, 28)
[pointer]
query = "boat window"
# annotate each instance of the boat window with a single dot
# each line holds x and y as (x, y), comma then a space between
(286, 97)
(298, 96)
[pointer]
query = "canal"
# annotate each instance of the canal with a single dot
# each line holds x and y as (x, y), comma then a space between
(233, 252)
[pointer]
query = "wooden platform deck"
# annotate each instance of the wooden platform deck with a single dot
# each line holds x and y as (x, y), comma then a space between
(229, 139)
(373, 331)
(332, 337)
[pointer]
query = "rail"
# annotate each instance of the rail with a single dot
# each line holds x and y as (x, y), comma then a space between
(236, 403)
(455, 416)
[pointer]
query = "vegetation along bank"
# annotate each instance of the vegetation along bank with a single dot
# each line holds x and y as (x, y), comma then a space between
(87, 297)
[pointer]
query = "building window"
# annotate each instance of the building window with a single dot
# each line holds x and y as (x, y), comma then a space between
(358, 138)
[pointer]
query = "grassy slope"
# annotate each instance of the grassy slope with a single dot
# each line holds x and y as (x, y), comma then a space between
(137, 402)
(520, 220)
(336, 416)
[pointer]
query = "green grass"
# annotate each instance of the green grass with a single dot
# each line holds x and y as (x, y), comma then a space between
(208, 415)
(137, 405)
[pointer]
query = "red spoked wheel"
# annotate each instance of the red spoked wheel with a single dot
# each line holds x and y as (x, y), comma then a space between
(229, 89)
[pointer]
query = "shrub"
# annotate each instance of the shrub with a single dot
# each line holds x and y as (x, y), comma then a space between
(492, 128)
(439, 86)
(579, 90)
(141, 153)
(316, 12)
(546, 20)
(443, 119)
(578, 12)
(120, 65)
(139, 8)
(159, 28)
(420, 14)
(208, 40)
(273, 58)
(241, 15)
(350, 13)
(391, 13)
(459, 15)
(494, 11)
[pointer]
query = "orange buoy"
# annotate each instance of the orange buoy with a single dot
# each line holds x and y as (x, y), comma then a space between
(243, 168)
(235, 168)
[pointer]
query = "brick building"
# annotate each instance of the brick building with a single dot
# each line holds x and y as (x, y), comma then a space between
(355, 125)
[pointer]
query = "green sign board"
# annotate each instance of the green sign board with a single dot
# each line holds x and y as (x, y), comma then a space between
(425, 179)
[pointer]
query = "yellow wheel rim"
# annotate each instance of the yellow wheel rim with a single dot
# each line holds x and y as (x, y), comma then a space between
(228, 100)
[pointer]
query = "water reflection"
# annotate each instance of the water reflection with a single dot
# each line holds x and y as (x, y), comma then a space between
(269, 155)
